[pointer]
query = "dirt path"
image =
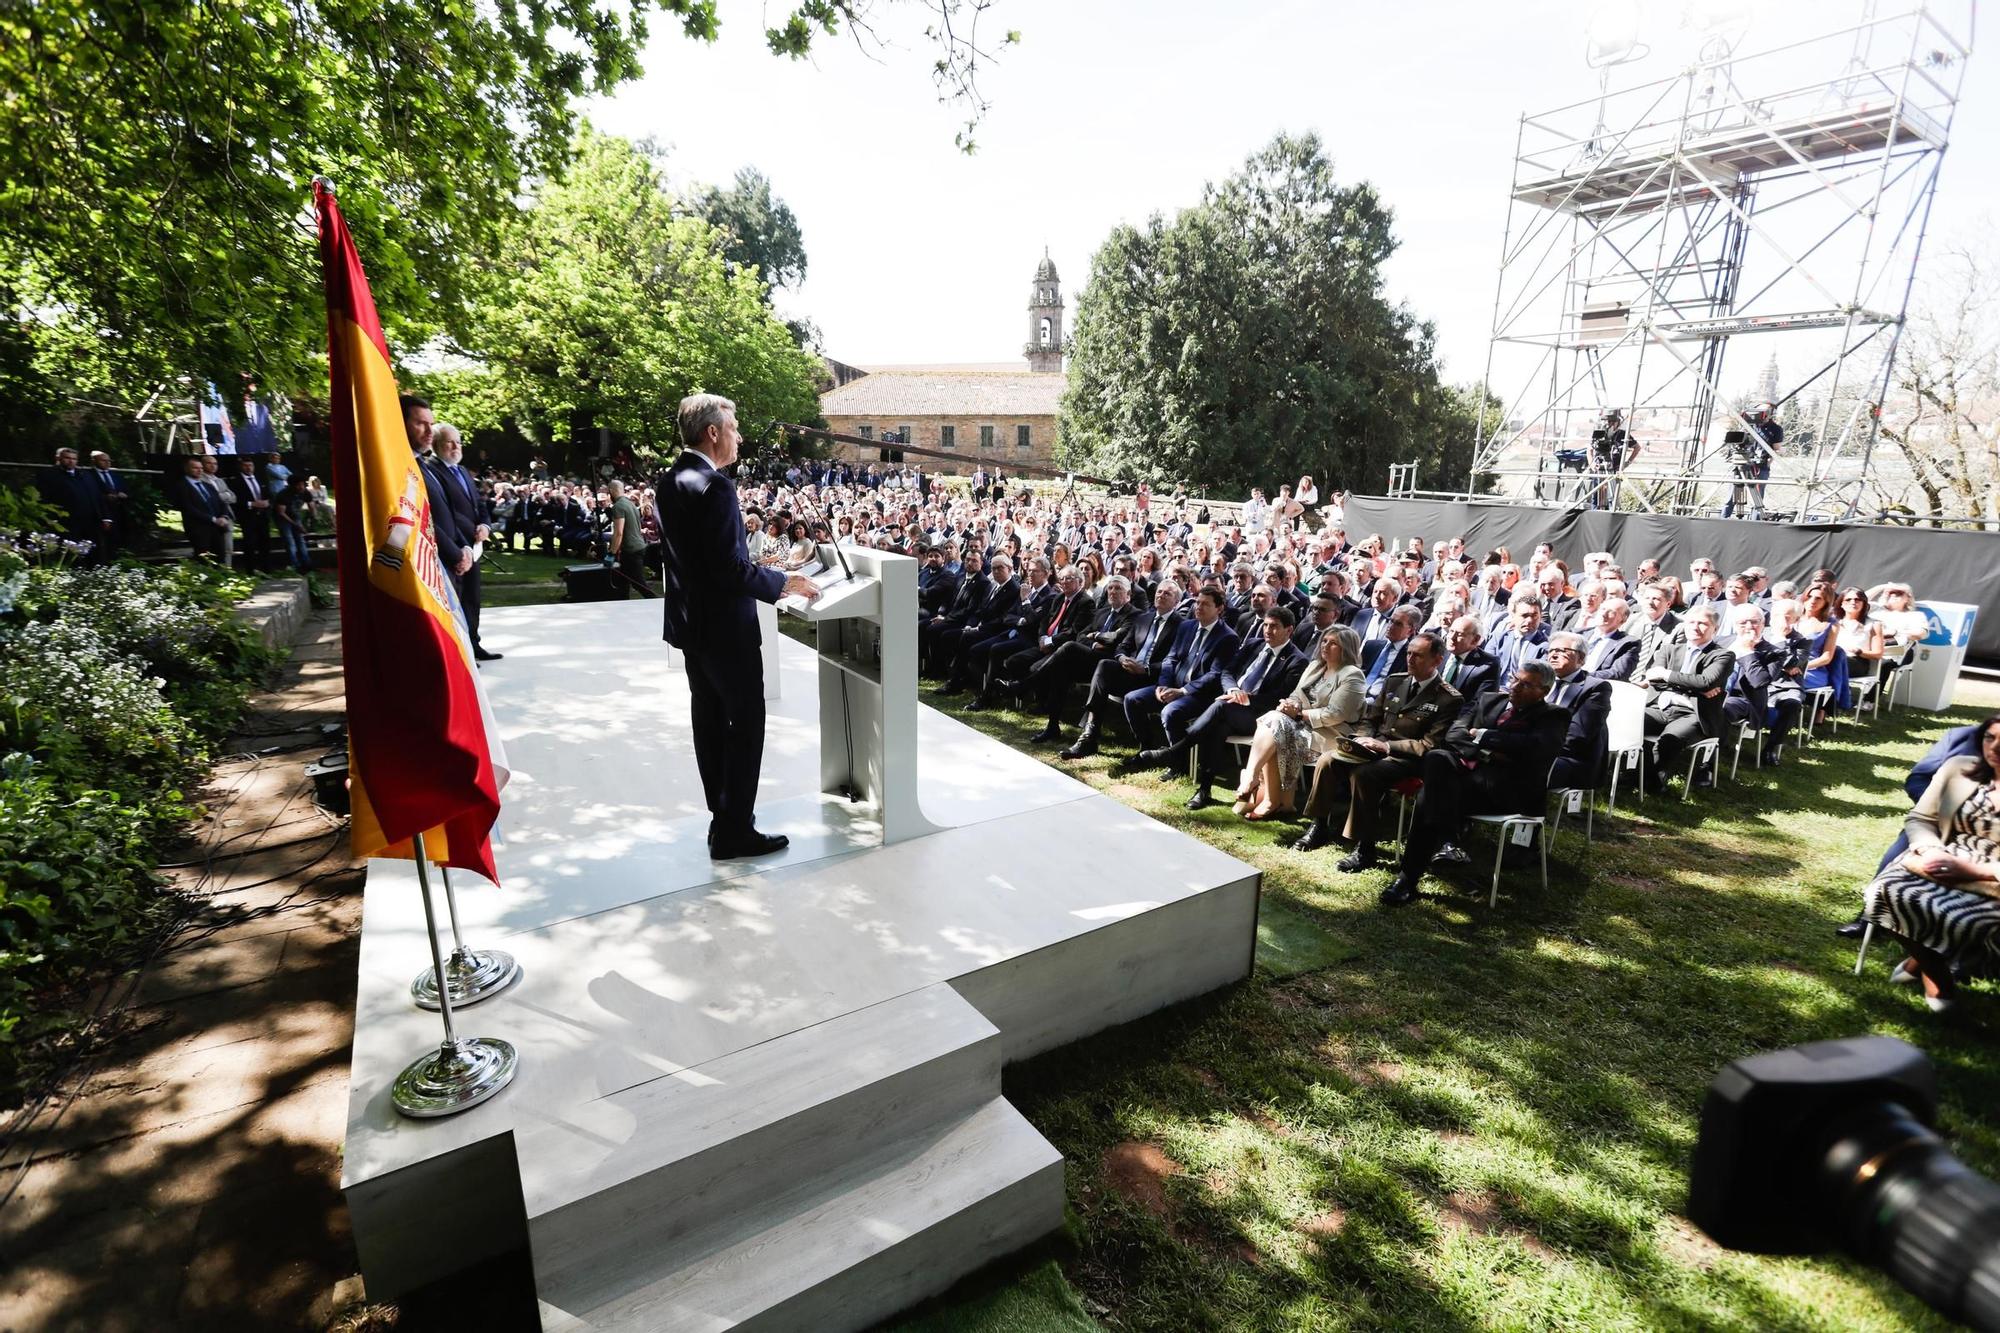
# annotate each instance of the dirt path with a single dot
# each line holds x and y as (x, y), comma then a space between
(187, 1174)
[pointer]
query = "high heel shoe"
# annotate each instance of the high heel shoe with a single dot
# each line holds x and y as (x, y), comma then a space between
(1905, 973)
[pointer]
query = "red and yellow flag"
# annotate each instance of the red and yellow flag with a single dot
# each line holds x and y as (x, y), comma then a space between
(423, 757)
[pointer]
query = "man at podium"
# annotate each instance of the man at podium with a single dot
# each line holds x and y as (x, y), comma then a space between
(710, 587)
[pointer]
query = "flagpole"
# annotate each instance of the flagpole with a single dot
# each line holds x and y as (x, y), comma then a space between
(462, 1072)
(471, 975)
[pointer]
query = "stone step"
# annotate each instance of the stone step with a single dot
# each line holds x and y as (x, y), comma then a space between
(622, 1182)
(881, 1234)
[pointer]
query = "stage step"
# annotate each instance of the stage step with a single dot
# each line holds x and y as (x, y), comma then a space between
(641, 1190)
(886, 1232)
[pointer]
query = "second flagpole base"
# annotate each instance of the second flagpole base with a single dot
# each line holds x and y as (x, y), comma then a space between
(455, 1077)
(472, 974)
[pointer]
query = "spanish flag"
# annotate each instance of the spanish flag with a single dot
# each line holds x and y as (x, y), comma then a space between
(423, 755)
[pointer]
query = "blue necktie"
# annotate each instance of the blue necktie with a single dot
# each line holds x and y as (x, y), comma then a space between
(1255, 675)
(463, 484)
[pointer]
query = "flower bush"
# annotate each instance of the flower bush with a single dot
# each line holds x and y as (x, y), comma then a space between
(114, 684)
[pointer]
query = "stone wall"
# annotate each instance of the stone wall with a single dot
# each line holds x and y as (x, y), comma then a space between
(928, 433)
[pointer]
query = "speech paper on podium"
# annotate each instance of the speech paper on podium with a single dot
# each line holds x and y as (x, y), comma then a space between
(822, 578)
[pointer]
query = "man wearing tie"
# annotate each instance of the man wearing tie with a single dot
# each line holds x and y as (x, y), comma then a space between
(1371, 622)
(1611, 653)
(1522, 640)
(1078, 658)
(204, 515)
(1495, 759)
(469, 515)
(1684, 698)
(1588, 700)
(1133, 665)
(1389, 656)
(86, 513)
(710, 586)
(1247, 689)
(111, 487)
(1198, 646)
(1469, 668)
(253, 508)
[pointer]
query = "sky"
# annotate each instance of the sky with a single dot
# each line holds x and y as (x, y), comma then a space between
(1106, 113)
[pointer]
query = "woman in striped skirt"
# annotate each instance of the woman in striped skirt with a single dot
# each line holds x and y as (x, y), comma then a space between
(1942, 898)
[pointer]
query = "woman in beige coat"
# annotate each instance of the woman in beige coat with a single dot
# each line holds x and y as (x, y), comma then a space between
(1942, 898)
(1289, 737)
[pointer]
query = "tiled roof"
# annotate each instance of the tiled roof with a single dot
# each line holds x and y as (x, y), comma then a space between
(890, 393)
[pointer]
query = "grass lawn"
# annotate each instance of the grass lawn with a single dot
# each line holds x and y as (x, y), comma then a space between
(1449, 1117)
(516, 578)
(1462, 1118)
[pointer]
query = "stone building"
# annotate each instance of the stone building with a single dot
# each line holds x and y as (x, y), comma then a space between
(996, 415)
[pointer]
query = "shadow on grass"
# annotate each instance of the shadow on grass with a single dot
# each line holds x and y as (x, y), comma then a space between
(1485, 1116)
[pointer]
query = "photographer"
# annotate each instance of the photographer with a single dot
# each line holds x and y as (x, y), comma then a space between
(1611, 449)
(1753, 455)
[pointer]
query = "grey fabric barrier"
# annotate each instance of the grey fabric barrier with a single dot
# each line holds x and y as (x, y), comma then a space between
(1938, 565)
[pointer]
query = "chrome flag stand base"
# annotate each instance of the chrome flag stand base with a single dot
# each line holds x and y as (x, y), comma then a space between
(464, 1071)
(471, 975)
(455, 1077)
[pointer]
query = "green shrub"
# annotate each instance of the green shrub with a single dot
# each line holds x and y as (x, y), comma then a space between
(114, 681)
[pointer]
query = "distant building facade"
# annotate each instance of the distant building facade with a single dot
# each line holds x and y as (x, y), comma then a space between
(996, 416)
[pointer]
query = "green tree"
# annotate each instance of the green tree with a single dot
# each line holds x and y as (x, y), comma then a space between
(1248, 340)
(155, 160)
(758, 229)
(605, 307)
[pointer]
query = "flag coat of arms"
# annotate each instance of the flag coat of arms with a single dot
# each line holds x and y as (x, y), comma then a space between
(424, 758)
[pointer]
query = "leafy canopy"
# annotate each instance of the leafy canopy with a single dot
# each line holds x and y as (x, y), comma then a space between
(1249, 340)
(607, 307)
(758, 230)
(154, 169)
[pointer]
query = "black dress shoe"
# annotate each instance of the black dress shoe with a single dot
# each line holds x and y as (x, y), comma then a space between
(1082, 748)
(1356, 861)
(1316, 836)
(1401, 891)
(1769, 758)
(1451, 854)
(1149, 759)
(978, 704)
(1201, 800)
(481, 655)
(1049, 734)
(1851, 930)
(752, 843)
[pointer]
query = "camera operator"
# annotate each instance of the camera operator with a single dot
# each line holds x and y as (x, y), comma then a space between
(1611, 449)
(1754, 453)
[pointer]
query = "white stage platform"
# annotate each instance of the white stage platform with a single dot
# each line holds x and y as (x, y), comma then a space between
(756, 1093)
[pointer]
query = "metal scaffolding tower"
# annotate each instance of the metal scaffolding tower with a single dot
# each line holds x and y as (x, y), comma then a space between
(1781, 196)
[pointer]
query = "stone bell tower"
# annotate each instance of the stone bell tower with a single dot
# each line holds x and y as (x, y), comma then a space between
(1045, 312)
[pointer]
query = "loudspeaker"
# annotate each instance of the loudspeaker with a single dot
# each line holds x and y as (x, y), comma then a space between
(589, 583)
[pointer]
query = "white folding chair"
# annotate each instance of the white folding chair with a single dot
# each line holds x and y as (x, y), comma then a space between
(1899, 676)
(1625, 737)
(1710, 746)
(1818, 698)
(1860, 689)
(1747, 731)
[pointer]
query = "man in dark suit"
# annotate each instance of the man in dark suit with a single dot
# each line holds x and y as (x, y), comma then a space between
(1398, 727)
(1134, 663)
(1371, 622)
(1495, 759)
(112, 487)
(1524, 638)
(1062, 620)
(204, 513)
(966, 601)
(1588, 700)
(1002, 597)
(253, 511)
(1684, 692)
(1389, 656)
(1322, 614)
(86, 513)
(1469, 668)
(1078, 658)
(1246, 689)
(711, 585)
(1199, 645)
(1016, 630)
(1611, 653)
(937, 584)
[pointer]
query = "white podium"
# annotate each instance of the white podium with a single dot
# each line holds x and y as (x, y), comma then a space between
(867, 641)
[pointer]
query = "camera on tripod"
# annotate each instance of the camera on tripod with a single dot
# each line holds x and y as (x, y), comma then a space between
(1829, 1146)
(1743, 451)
